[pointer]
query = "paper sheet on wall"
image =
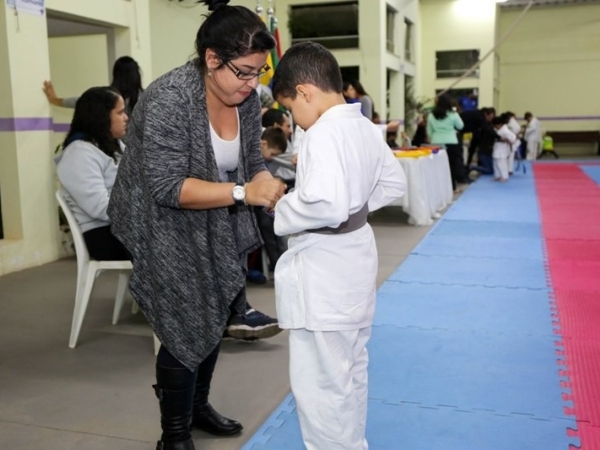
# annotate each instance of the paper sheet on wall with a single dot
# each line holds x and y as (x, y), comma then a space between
(35, 7)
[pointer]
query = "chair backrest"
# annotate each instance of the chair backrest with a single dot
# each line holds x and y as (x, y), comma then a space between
(83, 257)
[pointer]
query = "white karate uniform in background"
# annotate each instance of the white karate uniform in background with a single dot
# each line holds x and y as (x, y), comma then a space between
(502, 151)
(515, 128)
(325, 284)
(533, 136)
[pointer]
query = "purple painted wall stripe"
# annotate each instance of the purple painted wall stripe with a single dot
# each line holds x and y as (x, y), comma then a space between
(32, 124)
(26, 124)
(571, 118)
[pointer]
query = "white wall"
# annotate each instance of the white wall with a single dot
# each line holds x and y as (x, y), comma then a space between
(458, 25)
(174, 30)
(550, 66)
(27, 175)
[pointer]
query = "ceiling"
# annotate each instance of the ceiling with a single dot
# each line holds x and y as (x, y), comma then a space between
(62, 25)
(514, 3)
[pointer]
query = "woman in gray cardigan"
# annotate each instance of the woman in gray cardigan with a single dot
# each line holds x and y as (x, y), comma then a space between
(180, 205)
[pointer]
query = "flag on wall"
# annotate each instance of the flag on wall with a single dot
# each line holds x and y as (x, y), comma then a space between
(275, 55)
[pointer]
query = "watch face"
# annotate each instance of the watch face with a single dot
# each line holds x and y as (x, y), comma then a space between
(239, 193)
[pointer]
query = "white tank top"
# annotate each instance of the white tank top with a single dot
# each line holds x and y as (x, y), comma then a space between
(227, 153)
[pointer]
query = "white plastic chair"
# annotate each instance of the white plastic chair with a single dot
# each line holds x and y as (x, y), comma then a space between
(87, 271)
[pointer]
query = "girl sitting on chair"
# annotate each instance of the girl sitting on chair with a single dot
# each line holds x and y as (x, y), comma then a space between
(87, 167)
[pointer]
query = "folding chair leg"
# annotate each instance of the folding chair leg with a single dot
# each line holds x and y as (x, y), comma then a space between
(120, 298)
(82, 298)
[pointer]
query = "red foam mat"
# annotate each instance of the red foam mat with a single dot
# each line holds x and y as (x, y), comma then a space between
(569, 227)
(573, 249)
(569, 204)
(588, 434)
(579, 315)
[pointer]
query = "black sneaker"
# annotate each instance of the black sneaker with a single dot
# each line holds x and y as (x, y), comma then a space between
(255, 325)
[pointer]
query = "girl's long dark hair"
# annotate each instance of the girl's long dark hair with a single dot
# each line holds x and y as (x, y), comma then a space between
(231, 32)
(442, 107)
(127, 80)
(91, 120)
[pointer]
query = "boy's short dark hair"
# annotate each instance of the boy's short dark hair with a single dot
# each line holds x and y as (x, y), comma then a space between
(306, 63)
(275, 138)
(273, 116)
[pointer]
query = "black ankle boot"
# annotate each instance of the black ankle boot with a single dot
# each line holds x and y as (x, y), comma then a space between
(205, 416)
(209, 420)
(175, 391)
(184, 445)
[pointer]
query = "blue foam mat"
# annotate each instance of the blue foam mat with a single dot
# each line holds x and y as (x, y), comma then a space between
(593, 172)
(489, 229)
(469, 271)
(463, 353)
(414, 427)
(480, 247)
(465, 370)
(464, 308)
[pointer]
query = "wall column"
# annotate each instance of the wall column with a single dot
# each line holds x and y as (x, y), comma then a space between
(27, 184)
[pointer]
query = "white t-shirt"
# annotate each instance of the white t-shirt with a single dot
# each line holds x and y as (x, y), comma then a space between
(227, 153)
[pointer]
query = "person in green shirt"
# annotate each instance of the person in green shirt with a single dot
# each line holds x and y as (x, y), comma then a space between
(442, 125)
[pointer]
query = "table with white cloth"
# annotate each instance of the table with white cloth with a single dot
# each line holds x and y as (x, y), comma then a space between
(429, 186)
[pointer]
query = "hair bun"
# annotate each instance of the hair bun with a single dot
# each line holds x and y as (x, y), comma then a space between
(213, 5)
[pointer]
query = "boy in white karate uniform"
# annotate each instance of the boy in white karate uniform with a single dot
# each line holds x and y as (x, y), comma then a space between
(513, 126)
(325, 283)
(502, 148)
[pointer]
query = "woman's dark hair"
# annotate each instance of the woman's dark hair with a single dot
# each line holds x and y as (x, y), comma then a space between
(127, 80)
(306, 63)
(360, 90)
(442, 107)
(91, 120)
(231, 32)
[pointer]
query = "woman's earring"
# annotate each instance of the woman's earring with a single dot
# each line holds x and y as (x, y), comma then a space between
(210, 72)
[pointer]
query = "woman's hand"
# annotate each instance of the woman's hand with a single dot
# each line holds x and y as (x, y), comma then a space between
(264, 192)
(51, 94)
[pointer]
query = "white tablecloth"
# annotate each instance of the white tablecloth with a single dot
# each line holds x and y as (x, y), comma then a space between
(429, 188)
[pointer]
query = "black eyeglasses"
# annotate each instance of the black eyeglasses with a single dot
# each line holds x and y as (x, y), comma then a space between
(247, 75)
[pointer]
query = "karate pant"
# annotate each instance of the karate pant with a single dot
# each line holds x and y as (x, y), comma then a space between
(501, 168)
(328, 376)
(533, 149)
(511, 161)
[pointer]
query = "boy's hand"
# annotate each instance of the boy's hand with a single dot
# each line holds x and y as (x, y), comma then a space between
(295, 159)
(265, 192)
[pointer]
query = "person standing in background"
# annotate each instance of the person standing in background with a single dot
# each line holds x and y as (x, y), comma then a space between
(443, 123)
(533, 136)
(515, 128)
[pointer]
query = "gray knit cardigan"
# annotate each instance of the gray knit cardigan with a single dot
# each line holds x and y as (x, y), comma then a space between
(188, 265)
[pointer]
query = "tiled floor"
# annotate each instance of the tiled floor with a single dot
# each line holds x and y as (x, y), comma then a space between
(99, 395)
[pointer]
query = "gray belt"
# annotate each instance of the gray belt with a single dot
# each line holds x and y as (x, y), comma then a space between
(355, 221)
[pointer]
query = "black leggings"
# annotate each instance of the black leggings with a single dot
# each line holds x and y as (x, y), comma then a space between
(102, 245)
(457, 166)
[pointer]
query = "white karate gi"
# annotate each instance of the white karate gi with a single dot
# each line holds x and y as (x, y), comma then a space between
(325, 283)
(533, 136)
(502, 151)
(515, 128)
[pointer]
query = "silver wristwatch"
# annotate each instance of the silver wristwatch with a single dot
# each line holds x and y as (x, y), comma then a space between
(239, 194)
